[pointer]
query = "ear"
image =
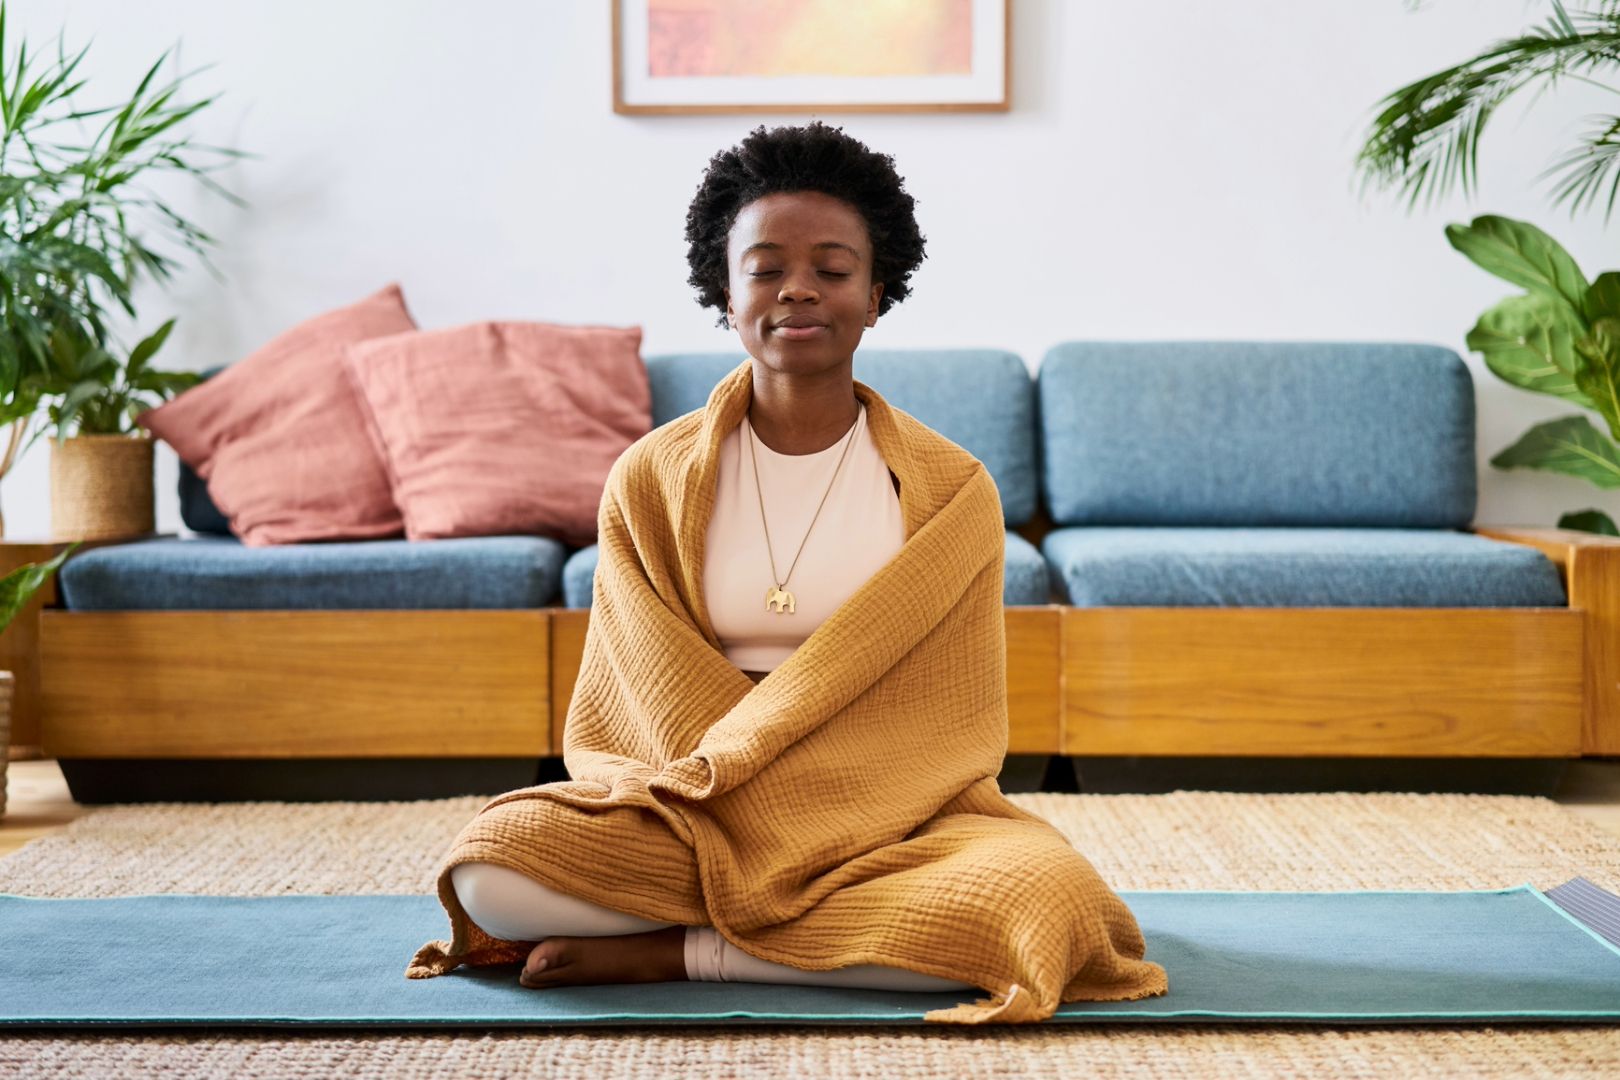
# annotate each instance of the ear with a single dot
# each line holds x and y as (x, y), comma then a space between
(872, 303)
(731, 316)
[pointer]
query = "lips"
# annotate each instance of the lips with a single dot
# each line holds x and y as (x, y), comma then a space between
(800, 328)
(800, 333)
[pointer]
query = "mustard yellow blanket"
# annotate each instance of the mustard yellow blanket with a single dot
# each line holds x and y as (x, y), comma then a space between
(845, 809)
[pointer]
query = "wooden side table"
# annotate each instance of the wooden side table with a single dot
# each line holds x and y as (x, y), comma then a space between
(19, 645)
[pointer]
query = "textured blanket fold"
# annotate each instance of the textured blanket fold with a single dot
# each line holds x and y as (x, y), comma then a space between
(845, 809)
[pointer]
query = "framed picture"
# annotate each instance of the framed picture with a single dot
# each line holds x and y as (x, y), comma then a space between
(737, 56)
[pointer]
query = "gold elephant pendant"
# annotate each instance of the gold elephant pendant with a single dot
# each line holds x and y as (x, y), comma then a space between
(780, 598)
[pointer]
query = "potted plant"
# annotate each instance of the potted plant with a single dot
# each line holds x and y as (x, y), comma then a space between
(16, 589)
(72, 251)
(101, 477)
(1562, 336)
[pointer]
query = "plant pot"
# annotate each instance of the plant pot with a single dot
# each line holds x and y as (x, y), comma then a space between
(101, 487)
(6, 684)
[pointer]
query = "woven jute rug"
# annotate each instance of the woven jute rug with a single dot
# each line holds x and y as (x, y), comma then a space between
(1181, 840)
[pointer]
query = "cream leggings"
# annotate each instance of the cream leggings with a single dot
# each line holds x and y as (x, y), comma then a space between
(513, 906)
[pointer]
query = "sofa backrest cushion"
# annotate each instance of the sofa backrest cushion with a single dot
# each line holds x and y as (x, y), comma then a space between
(1256, 433)
(197, 508)
(981, 399)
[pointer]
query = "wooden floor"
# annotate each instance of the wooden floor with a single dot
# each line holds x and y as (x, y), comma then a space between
(38, 801)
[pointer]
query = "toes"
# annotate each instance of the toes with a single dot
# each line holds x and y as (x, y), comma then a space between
(532, 977)
(544, 959)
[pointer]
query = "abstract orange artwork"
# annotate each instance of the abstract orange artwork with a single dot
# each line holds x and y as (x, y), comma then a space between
(808, 37)
(810, 55)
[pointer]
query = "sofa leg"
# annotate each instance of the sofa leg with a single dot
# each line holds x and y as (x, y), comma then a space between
(1061, 776)
(1024, 772)
(551, 770)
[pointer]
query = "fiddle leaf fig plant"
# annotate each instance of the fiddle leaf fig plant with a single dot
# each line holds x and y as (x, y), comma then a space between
(1561, 337)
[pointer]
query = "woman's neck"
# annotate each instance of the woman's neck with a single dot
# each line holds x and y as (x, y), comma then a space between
(802, 414)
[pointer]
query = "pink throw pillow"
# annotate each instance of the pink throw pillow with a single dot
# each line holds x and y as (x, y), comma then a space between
(280, 436)
(498, 428)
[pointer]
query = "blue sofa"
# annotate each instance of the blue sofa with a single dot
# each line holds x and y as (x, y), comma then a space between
(1136, 478)
(1173, 473)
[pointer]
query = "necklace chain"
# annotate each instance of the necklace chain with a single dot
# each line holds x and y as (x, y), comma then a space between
(782, 584)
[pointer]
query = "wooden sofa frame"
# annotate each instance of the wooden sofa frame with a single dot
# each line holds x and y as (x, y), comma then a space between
(1360, 682)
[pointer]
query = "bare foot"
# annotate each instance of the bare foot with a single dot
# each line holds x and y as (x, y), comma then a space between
(655, 956)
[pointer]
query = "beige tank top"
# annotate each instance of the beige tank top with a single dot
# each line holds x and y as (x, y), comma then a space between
(860, 528)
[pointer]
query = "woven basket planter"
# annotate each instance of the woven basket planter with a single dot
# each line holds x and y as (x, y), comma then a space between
(101, 487)
(6, 684)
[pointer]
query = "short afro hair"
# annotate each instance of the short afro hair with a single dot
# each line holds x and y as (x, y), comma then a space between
(814, 157)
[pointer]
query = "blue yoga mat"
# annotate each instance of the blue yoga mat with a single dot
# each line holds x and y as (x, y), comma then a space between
(338, 961)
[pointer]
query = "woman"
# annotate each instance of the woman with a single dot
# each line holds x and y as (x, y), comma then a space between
(803, 236)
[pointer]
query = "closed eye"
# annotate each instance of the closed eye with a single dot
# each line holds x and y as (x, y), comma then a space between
(772, 273)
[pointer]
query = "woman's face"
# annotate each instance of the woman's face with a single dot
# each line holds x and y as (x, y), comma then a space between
(801, 290)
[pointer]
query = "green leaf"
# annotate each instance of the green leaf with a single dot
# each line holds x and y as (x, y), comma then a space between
(75, 399)
(1529, 341)
(1570, 445)
(98, 365)
(65, 349)
(1519, 252)
(1589, 520)
(5, 98)
(124, 115)
(19, 586)
(13, 116)
(143, 352)
(165, 383)
(1602, 300)
(1599, 375)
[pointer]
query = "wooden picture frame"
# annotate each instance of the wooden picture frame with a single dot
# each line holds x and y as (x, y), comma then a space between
(672, 34)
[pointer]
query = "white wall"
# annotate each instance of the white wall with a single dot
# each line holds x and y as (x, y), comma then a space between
(1177, 169)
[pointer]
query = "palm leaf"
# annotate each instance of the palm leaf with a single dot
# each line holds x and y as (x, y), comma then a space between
(1425, 136)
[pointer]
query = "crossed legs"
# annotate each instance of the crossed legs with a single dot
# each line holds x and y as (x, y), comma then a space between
(513, 906)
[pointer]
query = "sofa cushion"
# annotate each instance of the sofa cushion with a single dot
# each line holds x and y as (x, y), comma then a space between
(219, 573)
(502, 428)
(981, 399)
(197, 509)
(1257, 433)
(1026, 578)
(579, 576)
(280, 437)
(1121, 566)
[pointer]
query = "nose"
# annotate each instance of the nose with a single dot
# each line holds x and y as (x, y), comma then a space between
(796, 287)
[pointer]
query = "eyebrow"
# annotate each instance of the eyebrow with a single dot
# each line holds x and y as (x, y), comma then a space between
(766, 245)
